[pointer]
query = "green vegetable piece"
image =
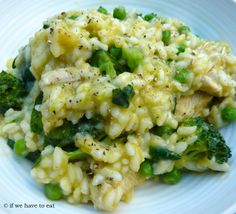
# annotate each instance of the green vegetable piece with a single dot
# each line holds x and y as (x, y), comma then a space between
(26, 74)
(77, 155)
(119, 13)
(36, 124)
(161, 130)
(166, 35)
(181, 48)
(53, 191)
(62, 136)
(37, 161)
(115, 52)
(46, 26)
(33, 156)
(150, 17)
(102, 10)
(14, 63)
(11, 143)
(168, 61)
(102, 60)
(123, 96)
(133, 57)
(146, 169)
(175, 104)
(228, 114)
(73, 17)
(172, 177)
(93, 127)
(210, 142)
(161, 153)
(108, 69)
(20, 148)
(182, 76)
(184, 29)
(12, 92)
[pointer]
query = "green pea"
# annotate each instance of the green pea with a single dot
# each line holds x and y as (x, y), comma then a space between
(53, 191)
(182, 76)
(119, 13)
(181, 48)
(20, 148)
(150, 17)
(184, 29)
(228, 114)
(102, 10)
(172, 177)
(146, 169)
(166, 37)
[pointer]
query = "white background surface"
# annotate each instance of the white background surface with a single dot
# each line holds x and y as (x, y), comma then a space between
(210, 193)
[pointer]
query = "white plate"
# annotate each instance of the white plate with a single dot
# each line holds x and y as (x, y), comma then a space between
(210, 193)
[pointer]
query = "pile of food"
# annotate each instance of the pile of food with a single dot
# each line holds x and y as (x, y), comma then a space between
(101, 102)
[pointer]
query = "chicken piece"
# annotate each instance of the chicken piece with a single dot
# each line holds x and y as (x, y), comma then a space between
(192, 105)
(107, 196)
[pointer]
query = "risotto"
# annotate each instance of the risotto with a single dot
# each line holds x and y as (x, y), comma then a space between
(101, 102)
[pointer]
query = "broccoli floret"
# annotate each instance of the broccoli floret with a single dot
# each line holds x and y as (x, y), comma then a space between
(36, 124)
(11, 92)
(62, 136)
(210, 142)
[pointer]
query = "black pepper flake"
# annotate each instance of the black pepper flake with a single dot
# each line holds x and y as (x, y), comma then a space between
(144, 36)
(97, 149)
(104, 153)
(89, 172)
(81, 46)
(70, 101)
(54, 112)
(51, 30)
